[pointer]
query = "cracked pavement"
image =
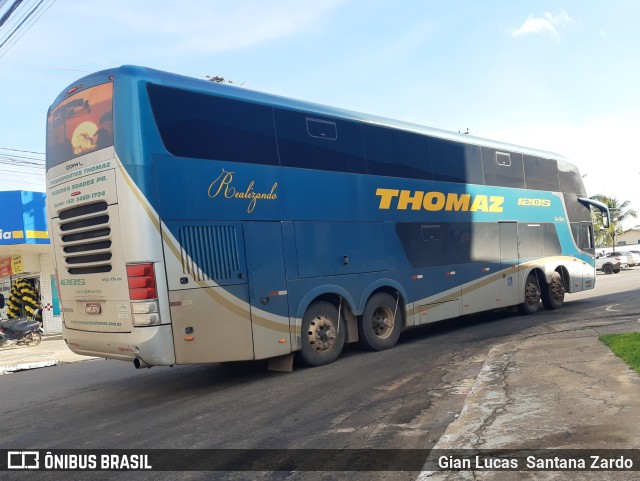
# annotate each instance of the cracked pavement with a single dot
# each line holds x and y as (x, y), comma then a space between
(562, 389)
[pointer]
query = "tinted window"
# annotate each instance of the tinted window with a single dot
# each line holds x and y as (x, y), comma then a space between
(582, 235)
(430, 232)
(427, 245)
(204, 126)
(485, 242)
(537, 240)
(570, 179)
(397, 153)
(456, 162)
(324, 144)
(541, 174)
(576, 210)
(322, 129)
(424, 244)
(502, 168)
(460, 240)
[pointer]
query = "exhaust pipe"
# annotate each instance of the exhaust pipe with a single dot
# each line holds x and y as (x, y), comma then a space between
(139, 363)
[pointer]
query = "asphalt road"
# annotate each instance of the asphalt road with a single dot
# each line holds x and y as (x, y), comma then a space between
(403, 398)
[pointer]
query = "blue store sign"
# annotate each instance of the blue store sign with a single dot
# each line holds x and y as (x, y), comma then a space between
(23, 218)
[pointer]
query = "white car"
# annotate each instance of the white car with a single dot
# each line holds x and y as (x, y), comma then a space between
(608, 265)
(633, 257)
(625, 258)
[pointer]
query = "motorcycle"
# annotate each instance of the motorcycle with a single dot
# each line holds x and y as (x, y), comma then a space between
(20, 332)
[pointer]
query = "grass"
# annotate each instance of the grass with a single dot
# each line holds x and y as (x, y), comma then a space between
(625, 346)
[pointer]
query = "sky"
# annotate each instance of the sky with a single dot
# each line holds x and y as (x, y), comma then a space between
(558, 76)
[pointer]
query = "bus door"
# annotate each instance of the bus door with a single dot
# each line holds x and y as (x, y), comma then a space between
(509, 290)
(268, 293)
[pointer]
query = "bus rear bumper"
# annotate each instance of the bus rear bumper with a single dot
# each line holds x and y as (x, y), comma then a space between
(152, 346)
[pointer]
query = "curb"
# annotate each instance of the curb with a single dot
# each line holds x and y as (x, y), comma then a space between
(27, 366)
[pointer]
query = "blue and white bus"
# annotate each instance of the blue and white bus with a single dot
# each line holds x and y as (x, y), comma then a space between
(195, 222)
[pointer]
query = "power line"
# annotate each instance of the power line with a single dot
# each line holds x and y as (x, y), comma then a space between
(21, 158)
(13, 12)
(22, 151)
(9, 11)
(23, 23)
(28, 26)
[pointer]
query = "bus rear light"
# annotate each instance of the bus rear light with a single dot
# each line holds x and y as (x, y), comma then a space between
(73, 90)
(145, 313)
(139, 270)
(142, 294)
(146, 319)
(142, 282)
(144, 307)
(142, 287)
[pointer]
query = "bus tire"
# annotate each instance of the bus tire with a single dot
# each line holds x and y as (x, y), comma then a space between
(531, 302)
(380, 325)
(553, 293)
(323, 336)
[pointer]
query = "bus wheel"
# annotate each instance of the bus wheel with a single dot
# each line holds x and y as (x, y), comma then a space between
(531, 302)
(380, 325)
(322, 336)
(553, 293)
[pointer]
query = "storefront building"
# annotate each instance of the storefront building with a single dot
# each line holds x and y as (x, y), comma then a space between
(27, 268)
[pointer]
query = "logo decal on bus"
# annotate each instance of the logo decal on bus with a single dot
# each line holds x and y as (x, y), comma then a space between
(72, 282)
(437, 201)
(534, 202)
(224, 185)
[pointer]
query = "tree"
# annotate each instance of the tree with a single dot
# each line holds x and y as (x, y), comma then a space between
(619, 212)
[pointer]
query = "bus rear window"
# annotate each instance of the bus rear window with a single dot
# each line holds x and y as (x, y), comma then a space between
(80, 124)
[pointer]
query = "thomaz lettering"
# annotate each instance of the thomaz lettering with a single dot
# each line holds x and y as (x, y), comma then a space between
(223, 185)
(437, 201)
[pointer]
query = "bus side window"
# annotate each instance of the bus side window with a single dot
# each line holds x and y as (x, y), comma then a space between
(322, 144)
(425, 245)
(583, 235)
(570, 179)
(201, 126)
(430, 232)
(322, 129)
(397, 153)
(538, 240)
(502, 168)
(485, 241)
(541, 174)
(456, 162)
(460, 239)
